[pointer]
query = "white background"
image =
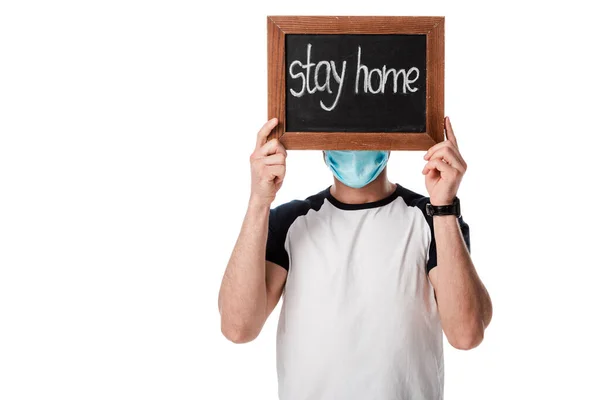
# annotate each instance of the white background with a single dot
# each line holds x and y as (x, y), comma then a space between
(125, 133)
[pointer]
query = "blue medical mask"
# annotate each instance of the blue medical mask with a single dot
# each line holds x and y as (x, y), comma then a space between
(356, 168)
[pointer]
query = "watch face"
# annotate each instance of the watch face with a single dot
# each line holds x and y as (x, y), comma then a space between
(429, 209)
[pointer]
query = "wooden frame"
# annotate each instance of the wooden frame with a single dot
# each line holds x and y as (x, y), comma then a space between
(433, 27)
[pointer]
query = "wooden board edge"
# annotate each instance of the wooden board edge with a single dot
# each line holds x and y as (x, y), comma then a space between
(356, 141)
(275, 76)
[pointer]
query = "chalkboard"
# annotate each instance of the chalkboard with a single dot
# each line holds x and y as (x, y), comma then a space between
(356, 82)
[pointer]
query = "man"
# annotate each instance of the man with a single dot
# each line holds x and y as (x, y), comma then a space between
(370, 278)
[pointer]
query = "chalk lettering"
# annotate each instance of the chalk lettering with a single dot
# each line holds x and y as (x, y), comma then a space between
(378, 71)
(407, 80)
(322, 78)
(296, 75)
(340, 80)
(374, 80)
(361, 68)
(368, 87)
(321, 88)
(307, 66)
(396, 74)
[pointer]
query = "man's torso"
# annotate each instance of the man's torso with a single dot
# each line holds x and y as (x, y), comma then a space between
(359, 318)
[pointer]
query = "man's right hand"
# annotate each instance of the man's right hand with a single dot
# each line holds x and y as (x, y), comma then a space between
(267, 163)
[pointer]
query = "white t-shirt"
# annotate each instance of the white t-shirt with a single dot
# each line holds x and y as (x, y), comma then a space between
(359, 319)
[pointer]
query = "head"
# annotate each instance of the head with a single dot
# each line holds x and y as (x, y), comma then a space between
(356, 168)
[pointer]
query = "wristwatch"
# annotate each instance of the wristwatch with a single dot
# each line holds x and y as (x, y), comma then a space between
(450, 209)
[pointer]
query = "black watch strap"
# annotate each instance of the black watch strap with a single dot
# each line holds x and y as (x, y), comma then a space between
(449, 209)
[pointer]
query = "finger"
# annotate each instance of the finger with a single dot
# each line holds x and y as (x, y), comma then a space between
(263, 133)
(451, 157)
(436, 147)
(450, 132)
(273, 146)
(276, 171)
(274, 159)
(437, 164)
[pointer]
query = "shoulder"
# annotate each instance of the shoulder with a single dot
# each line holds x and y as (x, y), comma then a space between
(284, 214)
(415, 199)
(420, 201)
(412, 198)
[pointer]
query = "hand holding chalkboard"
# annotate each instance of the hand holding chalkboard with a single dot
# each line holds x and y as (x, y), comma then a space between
(352, 83)
(445, 169)
(267, 164)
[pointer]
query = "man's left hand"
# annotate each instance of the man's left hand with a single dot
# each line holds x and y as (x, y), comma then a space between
(444, 169)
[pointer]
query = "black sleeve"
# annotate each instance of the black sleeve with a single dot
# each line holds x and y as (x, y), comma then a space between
(464, 228)
(280, 220)
(276, 239)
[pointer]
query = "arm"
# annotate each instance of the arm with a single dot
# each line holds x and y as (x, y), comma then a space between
(464, 304)
(251, 286)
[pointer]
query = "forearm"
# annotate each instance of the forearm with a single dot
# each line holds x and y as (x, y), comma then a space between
(463, 302)
(243, 294)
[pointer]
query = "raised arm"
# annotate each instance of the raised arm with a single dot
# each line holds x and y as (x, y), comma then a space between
(252, 286)
(463, 302)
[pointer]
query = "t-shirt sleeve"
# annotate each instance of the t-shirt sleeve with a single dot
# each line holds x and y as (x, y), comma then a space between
(277, 232)
(432, 255)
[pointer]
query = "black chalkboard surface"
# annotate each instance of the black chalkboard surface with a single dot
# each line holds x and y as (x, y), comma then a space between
(355, 83)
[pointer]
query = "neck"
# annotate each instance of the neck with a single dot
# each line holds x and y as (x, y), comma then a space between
(379, 189)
